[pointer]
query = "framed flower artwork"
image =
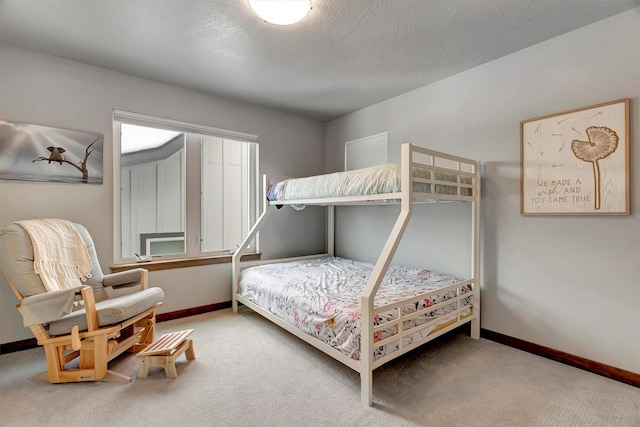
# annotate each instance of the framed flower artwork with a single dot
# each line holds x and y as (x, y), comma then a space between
(576, 162)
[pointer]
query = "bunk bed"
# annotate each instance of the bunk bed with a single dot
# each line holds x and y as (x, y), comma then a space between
(357, 318)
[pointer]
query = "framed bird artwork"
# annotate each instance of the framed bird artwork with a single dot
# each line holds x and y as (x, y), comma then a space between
(31, 152)
(576, 162)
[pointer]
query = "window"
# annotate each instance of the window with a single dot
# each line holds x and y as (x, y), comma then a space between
(152, 198)
(184, 190)
(224, 205)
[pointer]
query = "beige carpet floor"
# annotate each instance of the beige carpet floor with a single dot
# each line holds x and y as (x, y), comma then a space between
(249, 372)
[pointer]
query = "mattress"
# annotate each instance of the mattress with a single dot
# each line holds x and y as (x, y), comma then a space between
(321, 297)
(381, 179)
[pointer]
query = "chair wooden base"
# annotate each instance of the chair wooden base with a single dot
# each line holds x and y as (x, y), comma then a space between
(95, 350)
(164, 352)
(111, 377)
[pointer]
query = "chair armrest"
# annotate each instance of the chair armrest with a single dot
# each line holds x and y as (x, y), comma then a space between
(127, 279)
(90, 308)
(48, 306)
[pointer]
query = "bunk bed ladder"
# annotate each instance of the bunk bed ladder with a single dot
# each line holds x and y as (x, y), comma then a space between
(379, 270)
(475, 249)
(235, 259)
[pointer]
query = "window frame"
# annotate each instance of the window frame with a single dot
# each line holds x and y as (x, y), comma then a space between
(193, 161)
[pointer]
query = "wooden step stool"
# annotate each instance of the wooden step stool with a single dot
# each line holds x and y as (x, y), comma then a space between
(164, 352)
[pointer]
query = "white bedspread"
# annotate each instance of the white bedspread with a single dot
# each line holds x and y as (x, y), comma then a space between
(321, 297)
(381, 179)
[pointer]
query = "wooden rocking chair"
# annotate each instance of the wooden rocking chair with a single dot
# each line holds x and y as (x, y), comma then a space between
(79, 344)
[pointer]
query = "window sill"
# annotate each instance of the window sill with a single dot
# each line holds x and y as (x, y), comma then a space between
(168, 264)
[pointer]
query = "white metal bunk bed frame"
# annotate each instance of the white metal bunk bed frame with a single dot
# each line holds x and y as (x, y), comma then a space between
(436, 162)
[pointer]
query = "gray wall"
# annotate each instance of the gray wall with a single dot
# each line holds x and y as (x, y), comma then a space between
(47, 90)
(571, 283)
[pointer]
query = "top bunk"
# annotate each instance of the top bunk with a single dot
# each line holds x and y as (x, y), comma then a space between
(422, 176)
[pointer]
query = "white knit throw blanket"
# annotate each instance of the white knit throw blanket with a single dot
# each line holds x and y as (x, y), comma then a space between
(60, 256)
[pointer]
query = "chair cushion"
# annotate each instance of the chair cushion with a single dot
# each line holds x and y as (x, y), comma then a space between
(17, 261)
(111, 311)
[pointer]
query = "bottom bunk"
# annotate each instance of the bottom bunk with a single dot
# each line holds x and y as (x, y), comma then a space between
(318, 299)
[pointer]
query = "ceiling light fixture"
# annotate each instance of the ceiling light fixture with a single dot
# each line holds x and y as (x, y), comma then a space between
(281, 12)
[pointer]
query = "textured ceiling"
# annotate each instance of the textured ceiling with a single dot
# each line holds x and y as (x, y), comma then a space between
(345, 55)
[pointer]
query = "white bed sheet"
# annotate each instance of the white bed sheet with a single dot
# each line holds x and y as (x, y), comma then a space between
(381, 179)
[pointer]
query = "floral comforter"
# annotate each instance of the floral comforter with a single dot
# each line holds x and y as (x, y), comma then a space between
(321, 297)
